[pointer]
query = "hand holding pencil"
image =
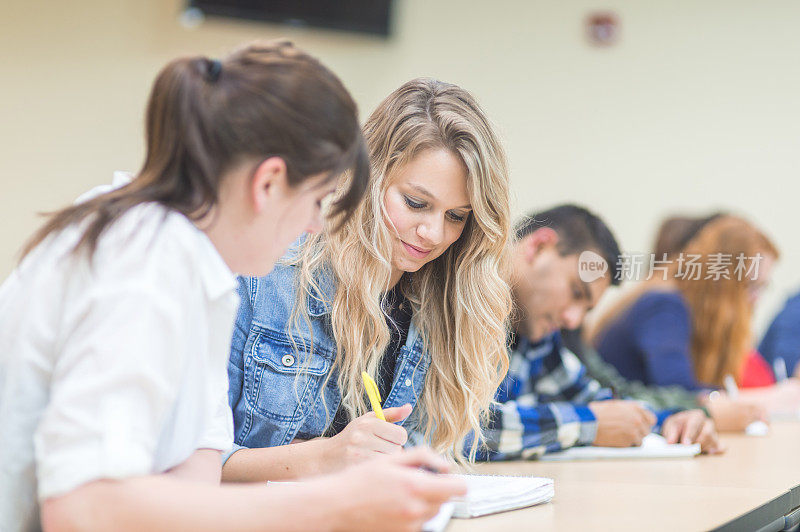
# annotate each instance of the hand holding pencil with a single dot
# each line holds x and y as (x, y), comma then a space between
(373, 434)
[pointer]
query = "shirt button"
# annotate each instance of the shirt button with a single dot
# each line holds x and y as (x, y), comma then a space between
(408, 382)
(287, 360)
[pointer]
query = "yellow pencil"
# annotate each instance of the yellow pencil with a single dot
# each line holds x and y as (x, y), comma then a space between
(373, 394)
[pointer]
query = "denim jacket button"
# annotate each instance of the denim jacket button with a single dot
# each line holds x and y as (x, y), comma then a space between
(287, 360)
(408, 382)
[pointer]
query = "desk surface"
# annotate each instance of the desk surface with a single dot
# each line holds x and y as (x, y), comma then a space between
(696, 493)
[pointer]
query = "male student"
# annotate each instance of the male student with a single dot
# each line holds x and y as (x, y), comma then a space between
(548, 402)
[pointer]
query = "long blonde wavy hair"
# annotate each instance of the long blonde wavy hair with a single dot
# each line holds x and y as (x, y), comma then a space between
(461, 300)
(721, 309)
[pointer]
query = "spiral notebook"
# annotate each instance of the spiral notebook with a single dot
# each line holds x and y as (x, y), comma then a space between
(653, 446)
(490, 494)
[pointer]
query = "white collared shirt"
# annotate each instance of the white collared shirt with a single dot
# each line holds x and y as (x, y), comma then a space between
(112, 369)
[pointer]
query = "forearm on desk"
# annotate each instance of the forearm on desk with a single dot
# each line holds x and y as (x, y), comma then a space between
(284, 462)
(204, 465)
(165, 503)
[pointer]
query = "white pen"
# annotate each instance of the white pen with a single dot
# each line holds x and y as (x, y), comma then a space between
(730, 387)
(779, 367)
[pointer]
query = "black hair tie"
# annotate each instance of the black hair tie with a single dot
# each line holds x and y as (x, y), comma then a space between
(214, 70)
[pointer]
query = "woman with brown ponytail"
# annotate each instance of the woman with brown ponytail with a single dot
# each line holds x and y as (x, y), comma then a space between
(115, 326)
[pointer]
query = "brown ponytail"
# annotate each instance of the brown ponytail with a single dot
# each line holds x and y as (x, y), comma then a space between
(205, 116)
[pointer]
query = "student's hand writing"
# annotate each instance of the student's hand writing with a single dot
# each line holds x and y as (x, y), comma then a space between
(367, 436)
(391, 493)
(692, 426)
(621, 423)
(781, 399)
(734, 416)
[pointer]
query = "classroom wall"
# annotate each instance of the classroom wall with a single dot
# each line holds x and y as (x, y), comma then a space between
(695, 108)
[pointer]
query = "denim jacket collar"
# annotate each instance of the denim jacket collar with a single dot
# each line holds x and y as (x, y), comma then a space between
(318, 302)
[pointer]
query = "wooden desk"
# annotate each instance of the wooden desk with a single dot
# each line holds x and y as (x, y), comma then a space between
(677, 494)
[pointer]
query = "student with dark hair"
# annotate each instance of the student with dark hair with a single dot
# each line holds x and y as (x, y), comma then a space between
(576, 230)
(115, 326)
(547, 401)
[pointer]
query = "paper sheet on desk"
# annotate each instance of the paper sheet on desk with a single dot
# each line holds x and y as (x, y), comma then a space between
(489, 494)
(785, 414)
(653, 446)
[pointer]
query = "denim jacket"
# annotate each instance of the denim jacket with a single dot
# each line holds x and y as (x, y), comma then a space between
(276, 389)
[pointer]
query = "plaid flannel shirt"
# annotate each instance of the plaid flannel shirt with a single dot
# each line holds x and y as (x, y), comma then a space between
(542, 405)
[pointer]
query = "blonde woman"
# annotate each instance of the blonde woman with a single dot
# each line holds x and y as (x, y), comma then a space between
(410, 290)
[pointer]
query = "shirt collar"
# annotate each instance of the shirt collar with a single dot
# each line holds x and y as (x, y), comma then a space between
(320, 298)
(529, 348)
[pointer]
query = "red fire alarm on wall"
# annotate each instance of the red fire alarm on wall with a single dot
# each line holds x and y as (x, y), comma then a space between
(602, 29)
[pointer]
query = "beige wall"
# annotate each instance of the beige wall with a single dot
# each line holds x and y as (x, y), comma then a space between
(695, 108)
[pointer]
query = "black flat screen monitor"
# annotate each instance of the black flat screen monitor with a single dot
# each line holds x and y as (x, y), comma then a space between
(363, 16)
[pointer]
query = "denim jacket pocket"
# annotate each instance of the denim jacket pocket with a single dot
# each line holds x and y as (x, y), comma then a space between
(282, 378)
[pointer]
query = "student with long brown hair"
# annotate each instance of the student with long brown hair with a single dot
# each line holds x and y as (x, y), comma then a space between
(690, 325)
(115, 327)
(693, 328)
